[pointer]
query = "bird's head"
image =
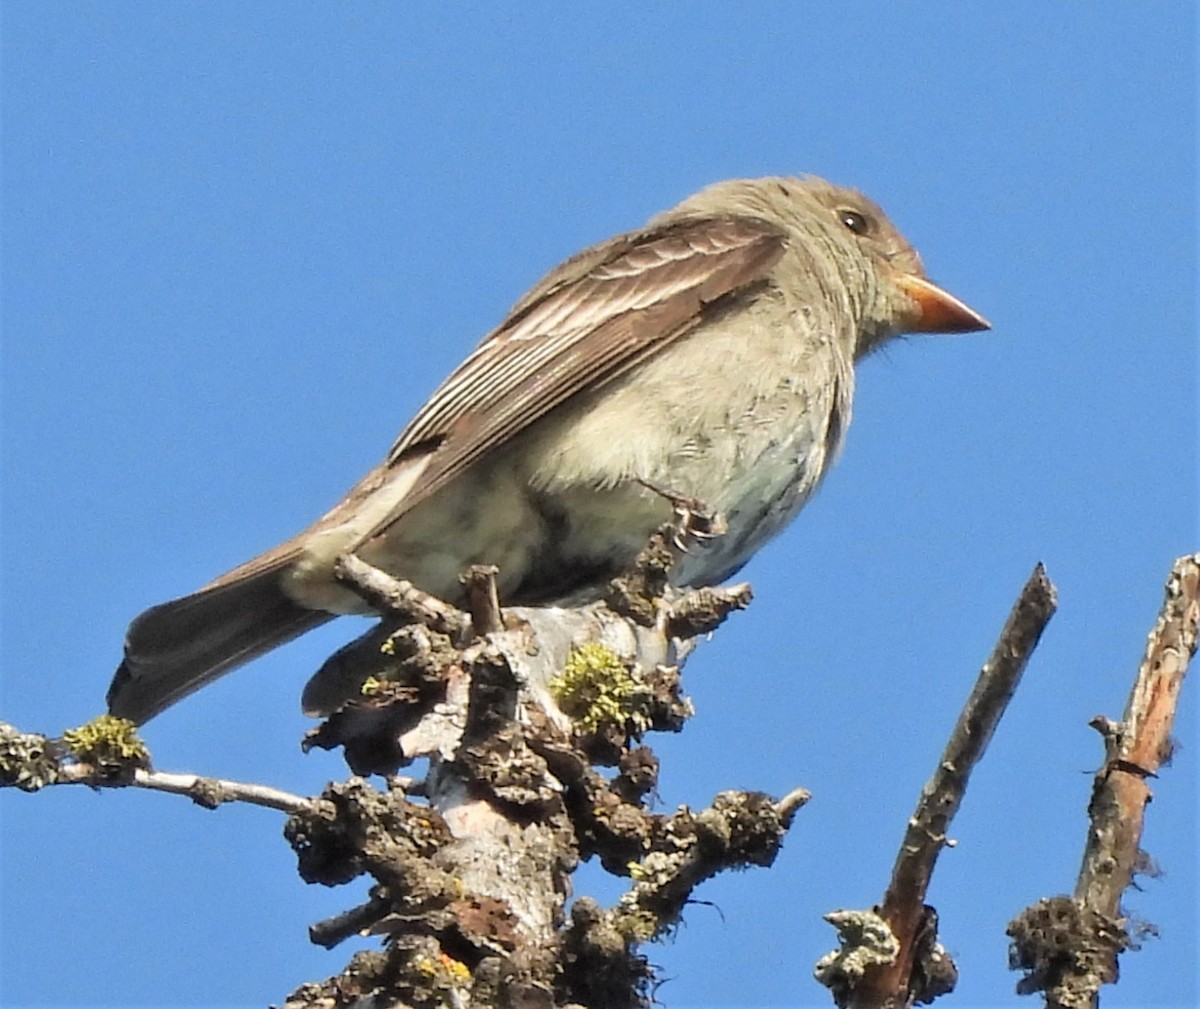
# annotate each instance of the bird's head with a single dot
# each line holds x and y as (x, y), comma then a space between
(883, 270)
(838, 234)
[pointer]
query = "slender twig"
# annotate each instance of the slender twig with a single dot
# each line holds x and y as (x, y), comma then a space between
(116, 758)
(207, 792)
(398, 597)
(903, 907)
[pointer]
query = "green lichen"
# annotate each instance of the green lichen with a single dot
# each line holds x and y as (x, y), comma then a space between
(107, 741)
(636, 924)
(598, 689)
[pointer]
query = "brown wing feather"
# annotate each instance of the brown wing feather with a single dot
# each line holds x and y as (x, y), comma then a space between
(588, 322)
(627, 274)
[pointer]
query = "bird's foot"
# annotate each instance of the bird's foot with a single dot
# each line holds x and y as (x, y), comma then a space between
(694, 520)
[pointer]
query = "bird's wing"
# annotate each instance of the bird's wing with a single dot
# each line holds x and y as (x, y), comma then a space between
(587, 322)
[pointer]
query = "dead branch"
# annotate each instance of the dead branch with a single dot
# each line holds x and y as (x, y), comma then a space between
(1069, 946)
(212, 792)
(399, 598)
(916, 968)
(31, 761)
(515, 711)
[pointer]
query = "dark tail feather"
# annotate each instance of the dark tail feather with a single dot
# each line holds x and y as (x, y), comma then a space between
(179, 646)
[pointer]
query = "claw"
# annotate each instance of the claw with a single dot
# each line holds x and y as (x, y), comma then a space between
(694, 519)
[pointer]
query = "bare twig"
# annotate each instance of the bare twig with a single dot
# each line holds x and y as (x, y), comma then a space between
(910, 975)
(1068, 947)
(107, 753)
(207, 792)
(355, 921)
(702, 611)
(791, 804)
(399, 598)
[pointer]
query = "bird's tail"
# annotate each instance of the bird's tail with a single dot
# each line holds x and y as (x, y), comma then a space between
(179, 646)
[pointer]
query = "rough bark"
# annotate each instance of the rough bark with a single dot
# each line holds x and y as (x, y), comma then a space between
(516, 712)
(527, 730)
(1068, 947)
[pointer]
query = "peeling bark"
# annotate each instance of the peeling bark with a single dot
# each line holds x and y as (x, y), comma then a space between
(1068, 947)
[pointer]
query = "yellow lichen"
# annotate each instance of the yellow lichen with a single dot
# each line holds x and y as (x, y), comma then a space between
(107, 741)
(443, 970)
(455, 970)
(597, 688)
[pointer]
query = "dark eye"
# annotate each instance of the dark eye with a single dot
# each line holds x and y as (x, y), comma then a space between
(860, 224)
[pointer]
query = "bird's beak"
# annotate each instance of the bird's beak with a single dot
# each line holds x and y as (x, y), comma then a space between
(936, 310)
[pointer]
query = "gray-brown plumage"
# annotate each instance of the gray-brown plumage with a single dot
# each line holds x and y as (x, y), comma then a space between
(709, 355)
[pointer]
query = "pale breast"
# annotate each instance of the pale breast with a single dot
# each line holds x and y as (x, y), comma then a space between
(745, 415)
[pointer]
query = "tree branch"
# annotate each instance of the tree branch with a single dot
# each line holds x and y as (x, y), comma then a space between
(1139, 745)
(399, 598)
(31, 761)
(920, 969)
(470, 887)
(1069, 946)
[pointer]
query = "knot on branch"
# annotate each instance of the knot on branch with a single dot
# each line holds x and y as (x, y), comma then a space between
(382, 685)
(429, 977)
(644, 593)
(1065, 950)
(639, 592)
(503, 765)
(877, 965)
(354, 828)
(738, 830)
(702, 611)
(864, 941)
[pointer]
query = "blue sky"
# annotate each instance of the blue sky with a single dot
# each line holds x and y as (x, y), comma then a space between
(242, 242)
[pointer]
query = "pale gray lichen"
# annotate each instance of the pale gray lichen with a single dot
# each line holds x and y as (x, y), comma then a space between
(866, 941)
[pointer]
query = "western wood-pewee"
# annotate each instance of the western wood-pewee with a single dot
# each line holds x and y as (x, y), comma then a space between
(708, 356)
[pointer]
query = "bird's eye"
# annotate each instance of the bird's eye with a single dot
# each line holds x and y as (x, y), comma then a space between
(860, 224)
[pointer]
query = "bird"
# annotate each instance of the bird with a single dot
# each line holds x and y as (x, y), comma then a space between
(707, 357)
